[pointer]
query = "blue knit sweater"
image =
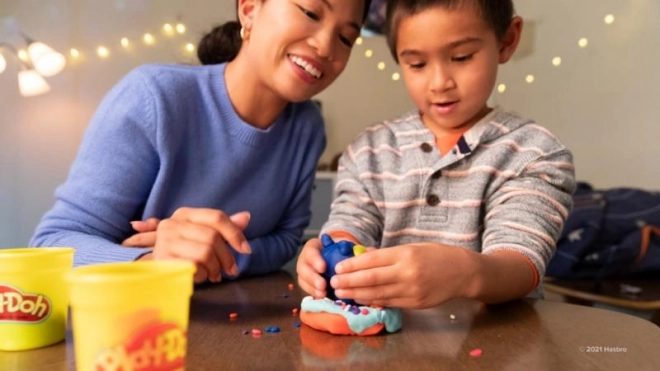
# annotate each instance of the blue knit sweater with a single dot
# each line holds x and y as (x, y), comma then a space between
(168, 136)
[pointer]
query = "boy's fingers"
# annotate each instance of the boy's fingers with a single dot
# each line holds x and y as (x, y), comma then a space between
(312, 278)
(383, 295)
(375, 259)
(318, 263)
(366, 278)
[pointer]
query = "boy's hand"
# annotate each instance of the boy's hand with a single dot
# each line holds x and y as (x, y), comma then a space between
(310, 266)
(408, 276)
(197, 235)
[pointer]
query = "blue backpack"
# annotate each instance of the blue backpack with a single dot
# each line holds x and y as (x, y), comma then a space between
(609, 233)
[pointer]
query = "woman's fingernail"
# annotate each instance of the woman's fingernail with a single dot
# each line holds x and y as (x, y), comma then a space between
(339, 268)
(233, 270)
(246, 247)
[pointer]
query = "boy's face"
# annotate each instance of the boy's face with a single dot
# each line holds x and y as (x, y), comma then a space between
(299, 47)
(449, 61)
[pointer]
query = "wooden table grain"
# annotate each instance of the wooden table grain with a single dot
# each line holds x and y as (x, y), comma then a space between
(521, 335)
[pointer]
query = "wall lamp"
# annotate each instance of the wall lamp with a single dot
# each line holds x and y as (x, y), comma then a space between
(41, 61)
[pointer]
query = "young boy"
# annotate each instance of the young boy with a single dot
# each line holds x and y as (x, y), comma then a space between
(469, 200)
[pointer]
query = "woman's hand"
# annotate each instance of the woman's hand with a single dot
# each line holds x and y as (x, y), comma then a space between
(198, 235)
(310, 266)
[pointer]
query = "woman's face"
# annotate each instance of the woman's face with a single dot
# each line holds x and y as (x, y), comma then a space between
(299, 47)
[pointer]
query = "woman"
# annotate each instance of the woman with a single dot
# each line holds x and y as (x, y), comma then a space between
(221, 157)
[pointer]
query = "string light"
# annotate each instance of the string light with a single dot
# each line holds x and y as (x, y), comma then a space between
(609, 19)
(103, 52)
(148, 39)
(23, 55)
(170, 29)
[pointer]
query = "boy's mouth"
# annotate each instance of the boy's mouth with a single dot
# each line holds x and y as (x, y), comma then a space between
(444, 108)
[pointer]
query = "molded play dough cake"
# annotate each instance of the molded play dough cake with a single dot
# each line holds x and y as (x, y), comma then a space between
(343, 316)
(337, 317)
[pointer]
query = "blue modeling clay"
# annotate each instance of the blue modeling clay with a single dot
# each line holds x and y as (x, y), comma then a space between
(334, 252)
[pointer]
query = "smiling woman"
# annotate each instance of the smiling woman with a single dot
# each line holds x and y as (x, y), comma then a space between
(190, 156)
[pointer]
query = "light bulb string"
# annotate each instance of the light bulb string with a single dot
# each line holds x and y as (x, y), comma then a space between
(25, 65)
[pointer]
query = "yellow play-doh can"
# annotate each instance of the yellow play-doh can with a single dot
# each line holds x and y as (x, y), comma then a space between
(33, 297)
(131, 316)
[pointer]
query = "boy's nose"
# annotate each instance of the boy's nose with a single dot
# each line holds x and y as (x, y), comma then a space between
(442, 80)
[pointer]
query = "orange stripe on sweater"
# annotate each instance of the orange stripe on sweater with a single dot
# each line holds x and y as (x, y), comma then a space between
(531, 265)
(341, 235)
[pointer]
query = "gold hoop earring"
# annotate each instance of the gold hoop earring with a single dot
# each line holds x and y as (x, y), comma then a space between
(242, 33)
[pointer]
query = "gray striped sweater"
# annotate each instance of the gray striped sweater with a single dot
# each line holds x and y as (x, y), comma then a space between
(506, 185)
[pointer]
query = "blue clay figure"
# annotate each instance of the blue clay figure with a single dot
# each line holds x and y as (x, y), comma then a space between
(334, 252)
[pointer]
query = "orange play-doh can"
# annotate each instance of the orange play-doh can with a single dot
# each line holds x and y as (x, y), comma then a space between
(131, 316)
(33, 297)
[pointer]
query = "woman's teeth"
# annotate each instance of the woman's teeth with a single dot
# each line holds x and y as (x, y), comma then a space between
(306, 66)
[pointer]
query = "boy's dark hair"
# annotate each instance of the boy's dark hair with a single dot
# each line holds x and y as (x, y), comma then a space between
(497, 14)
(224, 41)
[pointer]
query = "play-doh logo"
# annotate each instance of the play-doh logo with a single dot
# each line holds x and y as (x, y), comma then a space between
(21, 307)
(157, 347)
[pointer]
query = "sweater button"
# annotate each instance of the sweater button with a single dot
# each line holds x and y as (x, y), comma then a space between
(426, 147)
(432, 200)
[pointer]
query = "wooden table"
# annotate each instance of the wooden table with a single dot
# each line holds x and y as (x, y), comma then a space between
(522, 335)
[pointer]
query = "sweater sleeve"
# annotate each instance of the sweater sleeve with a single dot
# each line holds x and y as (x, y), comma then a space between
(527, 213)
(109, 180)
(354, 210)
(271, 252)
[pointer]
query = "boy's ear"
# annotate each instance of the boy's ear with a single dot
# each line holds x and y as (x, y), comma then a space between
(247, 12)
(511, 39)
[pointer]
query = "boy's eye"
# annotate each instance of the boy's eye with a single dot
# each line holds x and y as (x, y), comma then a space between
(464, 58)
(416, 66)
(309, 14)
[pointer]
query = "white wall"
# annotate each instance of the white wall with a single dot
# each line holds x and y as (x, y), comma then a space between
(598, 102)
(39, 136)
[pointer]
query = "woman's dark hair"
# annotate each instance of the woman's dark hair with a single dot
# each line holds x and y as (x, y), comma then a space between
(223, 42)
(497, 14)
